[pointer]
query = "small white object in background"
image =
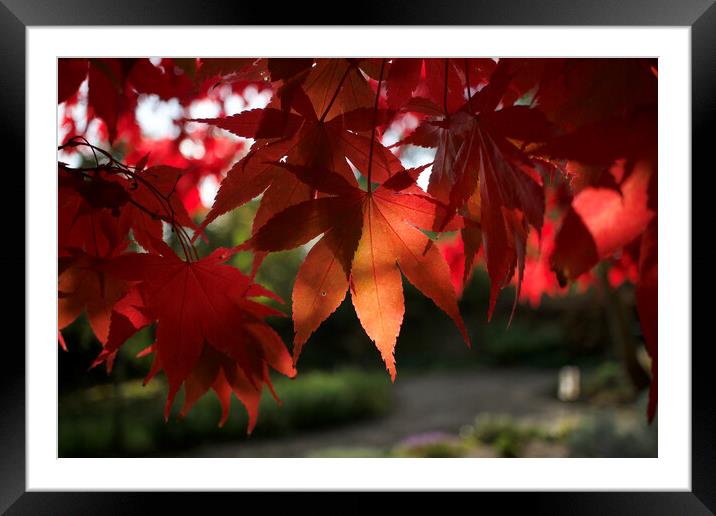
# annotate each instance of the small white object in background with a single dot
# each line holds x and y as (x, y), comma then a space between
(569, 383)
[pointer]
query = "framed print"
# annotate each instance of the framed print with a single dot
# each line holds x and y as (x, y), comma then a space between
(414, 250)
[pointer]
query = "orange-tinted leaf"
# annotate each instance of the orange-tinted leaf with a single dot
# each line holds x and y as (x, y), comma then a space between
(426, 270)
(322, 281)
(336, 86)
(376, 285)
(368, 239)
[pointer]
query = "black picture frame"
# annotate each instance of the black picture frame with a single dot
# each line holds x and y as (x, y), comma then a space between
(17, 15)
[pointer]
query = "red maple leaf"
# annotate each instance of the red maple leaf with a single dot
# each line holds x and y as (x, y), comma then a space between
(503, 132)
(601, 220)
(82, 285)
(98, 207)
(480, 171)
(322, 126)
(153, 199)
(209, 332)
(88, 213)
(369, 238)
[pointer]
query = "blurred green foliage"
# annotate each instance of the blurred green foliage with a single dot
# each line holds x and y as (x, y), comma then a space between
(432, 445)
(593, 434)
(126, 418)
(606, 436)
(502, 435)
(505, 434)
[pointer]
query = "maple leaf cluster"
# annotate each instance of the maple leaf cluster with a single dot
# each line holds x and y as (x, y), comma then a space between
(543, 167)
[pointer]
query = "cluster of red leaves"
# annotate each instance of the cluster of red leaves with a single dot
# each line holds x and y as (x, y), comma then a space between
(114, 87)
(598, 163)
(545, 166)
(210, 333)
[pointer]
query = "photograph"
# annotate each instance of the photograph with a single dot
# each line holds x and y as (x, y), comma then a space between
(345, 257)
(412, 248)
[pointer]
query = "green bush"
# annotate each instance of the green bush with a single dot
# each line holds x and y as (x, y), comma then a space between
(601, 436)
(98, 422)
(608, 384)
(508, 436)
(432, 445)
(525, 344)
(342, 452)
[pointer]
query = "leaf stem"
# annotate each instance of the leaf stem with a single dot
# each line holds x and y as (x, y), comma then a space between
(372, 134)
(335, 94)
(467, 81)
(445, 90)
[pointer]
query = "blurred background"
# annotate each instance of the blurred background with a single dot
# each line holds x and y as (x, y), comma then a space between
(566, 378)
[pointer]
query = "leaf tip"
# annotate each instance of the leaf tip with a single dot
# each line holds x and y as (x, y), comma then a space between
(61, 339)
(391, 371)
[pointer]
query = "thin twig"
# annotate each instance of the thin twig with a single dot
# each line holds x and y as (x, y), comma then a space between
(372, 135)
(116, 167)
